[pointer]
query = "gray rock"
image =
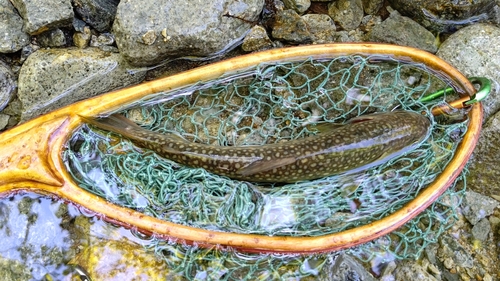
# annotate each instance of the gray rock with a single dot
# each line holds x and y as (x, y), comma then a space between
(481, 230)
(43, 15)
(474, 51)
(97, 13)
(450, 248)
(408, 270)
(372, 7)
(256, 39)
(4, 121)
(346, 267)
(8, 85)
(348, 13)
(289, 26)
(477, 206)
(52, 38)
(400, 30)
(181, 28)
(50, 79)
(12, 37)
(321, 27)
(78, 25)
(300, 6)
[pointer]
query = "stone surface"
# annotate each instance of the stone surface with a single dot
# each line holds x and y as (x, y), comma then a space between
(50, 79)
(43, 15)
(400, 30)
(4, 121)
(256, 39)
(12, 37)
(477, 206)
(191, 29)
(408, 270)
(481, 230)
(52, 38)
(8, 85)
(97, 13)
(289, 26)
(348, 13)
(346, 267)
(474, 51)
(372, 7)
(300, 6)
(321, 27)
(82, 39)
(452, 249)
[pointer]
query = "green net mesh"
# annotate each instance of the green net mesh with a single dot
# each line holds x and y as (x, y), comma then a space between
(274, 103)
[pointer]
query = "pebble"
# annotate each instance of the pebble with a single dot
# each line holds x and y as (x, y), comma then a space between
(300, 6)
(4, 121)
(345, 267)
(52, 38)
(12, 36)
(190, 29)
(42, 15)
(321, 27)
(372, 7)
(400, 30)
(52, 78)
(481, 230)
(257, 39)
(82, 39)
(289, 26)
(477, 206)
(348, 13)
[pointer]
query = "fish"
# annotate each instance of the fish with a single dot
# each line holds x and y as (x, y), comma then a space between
(362, 142)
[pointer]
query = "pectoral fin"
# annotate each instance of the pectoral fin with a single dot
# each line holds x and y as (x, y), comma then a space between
(265, 165)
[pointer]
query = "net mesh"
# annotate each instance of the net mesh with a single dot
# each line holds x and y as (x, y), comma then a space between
(273, 103)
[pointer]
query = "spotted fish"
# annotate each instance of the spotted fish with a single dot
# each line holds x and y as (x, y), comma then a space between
(361, 143)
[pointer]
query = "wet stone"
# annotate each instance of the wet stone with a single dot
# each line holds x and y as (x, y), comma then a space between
(43, 15)
(52, 38)
(12, 36)
(400, 30)
(53, 78)
(481, 230)
(300, 6)
(191, 29)
(451, 248)
(321, 27)
(256, 39)
(477, 206)
(97, 13)
(474, 51)
(348, 13)
(8, 85)
(289, 26)
(408, 270)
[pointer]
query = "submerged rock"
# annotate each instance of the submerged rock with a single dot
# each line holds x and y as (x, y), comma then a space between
(50, 79)
(43, 15)
(12, 36)
(175, 29)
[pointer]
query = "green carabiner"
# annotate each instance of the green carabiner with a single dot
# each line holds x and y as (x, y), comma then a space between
(484, 90)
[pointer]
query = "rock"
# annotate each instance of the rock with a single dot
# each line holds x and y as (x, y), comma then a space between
(14, 270)
(8, 85)
(97, 13)
(4, 121)
(104, 39)
(400, 30)
(43, 15)
(481, 230)
(12, 36)
(52, 38)
(477, 206)
(348, 13)
(450, 248)
(372, 7)
(289, 26)
(300, 6)
(321, 27)
(50, 79)
(79, 25)
(181, 28)
(82, 39)
(256, 39)
(408, 270)
(346, 267)
(474, 51)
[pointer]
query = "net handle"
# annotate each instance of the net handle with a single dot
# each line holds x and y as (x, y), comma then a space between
(30, 154)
